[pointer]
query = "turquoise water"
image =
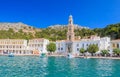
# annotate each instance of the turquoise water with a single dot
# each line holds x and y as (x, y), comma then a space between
(34, 66)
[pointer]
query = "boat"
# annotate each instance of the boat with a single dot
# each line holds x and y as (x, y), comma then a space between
(42, 55)
(10, 55)
(70, 55)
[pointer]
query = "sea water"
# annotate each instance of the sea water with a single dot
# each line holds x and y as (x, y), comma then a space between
(34, 66)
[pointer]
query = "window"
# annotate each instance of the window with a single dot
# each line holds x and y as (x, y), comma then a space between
(70, 22)
(77, 49)
(77, 45)
(113, 45)
(58, 48)
(20, 52)
(13, 51)
(69, 37)
(82, 45)
(117, 45)
(61, 48)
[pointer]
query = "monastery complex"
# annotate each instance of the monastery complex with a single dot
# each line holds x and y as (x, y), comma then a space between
(71, 45)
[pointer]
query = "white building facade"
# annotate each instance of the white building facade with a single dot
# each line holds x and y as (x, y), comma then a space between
(61, 46)
(16, 46)
(73, 46)
(39, 44)
(102, 43)
(23, 47)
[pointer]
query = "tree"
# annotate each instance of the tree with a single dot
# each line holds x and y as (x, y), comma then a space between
(51, 47)
(20, 31)
(112, 30)
(116, 51)
(11, 30)
(92, 49)
(82, 50)
(98, 31)
(104, 52)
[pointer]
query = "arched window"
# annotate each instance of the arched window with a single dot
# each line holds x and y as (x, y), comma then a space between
(70, 22)
(113, 45)
(69, 37)
(117, 45)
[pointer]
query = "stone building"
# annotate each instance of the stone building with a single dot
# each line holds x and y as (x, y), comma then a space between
(115, 44)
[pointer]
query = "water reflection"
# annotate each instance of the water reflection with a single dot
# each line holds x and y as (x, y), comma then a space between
(115, 68)
(104, 67)
(34, 66)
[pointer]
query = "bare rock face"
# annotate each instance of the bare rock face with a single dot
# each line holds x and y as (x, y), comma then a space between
(76, 26)
(15, 26)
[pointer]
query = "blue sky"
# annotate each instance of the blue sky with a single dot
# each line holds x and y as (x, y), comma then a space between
(42, 13)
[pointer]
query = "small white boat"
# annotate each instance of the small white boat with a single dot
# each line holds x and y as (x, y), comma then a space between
(70, 55)
(10, 55)
(42, 55)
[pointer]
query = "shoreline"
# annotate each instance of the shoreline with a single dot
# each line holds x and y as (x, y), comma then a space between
(88, 57)
(85, 57)
(95, 57)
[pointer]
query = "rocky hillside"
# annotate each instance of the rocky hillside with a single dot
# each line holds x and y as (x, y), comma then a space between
(16, 27)
(55, 32)
(65, 27)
